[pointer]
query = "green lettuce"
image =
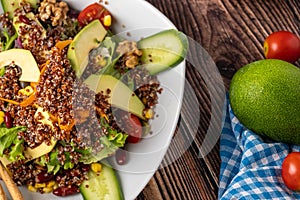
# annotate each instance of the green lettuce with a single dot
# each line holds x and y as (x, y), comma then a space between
(108, 150)
(16, 152)
(2, 71)
(53, 165)
(9, 40)
(107, 50)
(9, 141)
(112, 141)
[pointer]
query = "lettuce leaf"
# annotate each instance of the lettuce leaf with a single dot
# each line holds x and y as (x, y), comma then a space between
(9, 140)
(17, 150)
(107, 151)
(112, 141)
(13, 130)
(9, 40)
(107, 50)
(53, 164)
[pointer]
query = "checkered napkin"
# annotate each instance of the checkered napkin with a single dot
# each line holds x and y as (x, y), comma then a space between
(251, 166)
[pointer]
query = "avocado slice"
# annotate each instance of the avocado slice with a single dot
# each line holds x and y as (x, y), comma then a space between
(12, 5)
(121, 96)
(25, 60)
(86, 40)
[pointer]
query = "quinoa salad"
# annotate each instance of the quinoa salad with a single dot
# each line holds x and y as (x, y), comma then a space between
(76, 125)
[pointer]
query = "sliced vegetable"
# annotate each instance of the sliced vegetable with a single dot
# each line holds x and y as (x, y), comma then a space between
(121, 96)
(25, 60)
(11, 5)
(86, 40)
(95, 11)
(163, 50)
(102, 185)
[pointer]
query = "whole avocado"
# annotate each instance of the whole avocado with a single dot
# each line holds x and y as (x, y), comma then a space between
(265, 97)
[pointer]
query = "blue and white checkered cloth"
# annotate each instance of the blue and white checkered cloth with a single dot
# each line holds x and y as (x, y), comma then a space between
(251, 166)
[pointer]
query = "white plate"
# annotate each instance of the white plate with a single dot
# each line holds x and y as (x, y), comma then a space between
(141, 19)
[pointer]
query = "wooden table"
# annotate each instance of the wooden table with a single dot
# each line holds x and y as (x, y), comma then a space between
(232, 32)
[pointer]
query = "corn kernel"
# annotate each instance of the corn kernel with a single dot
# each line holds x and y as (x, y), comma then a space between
(47, 189)
(107, 20)
(96, 167)
(31, 188)
(1, 117)
(40, 185)
(149, 113)
(26, 91)
(50, 184)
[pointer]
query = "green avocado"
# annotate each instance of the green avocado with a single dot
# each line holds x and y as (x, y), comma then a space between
(86, 40)
(25, 60)
(120, 95)
(11, 5)
(265, 97)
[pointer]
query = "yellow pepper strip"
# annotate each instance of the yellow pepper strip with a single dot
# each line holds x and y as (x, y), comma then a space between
(9, 101)
(29, 101)
(33, 84)
(53, 118)
(105, 116)
(62, 44)
(67, 127)
(43, 67)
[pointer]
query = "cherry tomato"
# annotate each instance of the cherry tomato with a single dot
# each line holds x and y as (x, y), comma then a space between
(130, 124)
(282, 45)
(92, 12)
(291, 171)
(134, 129)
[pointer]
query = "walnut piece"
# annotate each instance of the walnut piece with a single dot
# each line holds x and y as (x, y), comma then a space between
(130, 52)
(55, 11)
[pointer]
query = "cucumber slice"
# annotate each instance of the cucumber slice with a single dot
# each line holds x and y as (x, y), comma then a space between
(163, 50)
(103, 186)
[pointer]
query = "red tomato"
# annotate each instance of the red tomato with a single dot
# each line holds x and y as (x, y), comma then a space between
(92, 12)
(130, 124)
(282, 45)
(134, 129)
(291, 171)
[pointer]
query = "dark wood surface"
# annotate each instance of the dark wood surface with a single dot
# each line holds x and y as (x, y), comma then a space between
(232, 32)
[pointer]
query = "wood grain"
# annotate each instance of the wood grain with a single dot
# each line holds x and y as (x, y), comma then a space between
(232, 33)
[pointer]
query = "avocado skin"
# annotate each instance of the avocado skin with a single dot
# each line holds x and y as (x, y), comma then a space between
(265, 97)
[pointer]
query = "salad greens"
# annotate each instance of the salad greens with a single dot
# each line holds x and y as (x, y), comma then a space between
(10, 142)
(65, 53)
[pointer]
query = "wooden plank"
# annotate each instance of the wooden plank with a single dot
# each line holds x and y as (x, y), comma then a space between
(232, 32)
